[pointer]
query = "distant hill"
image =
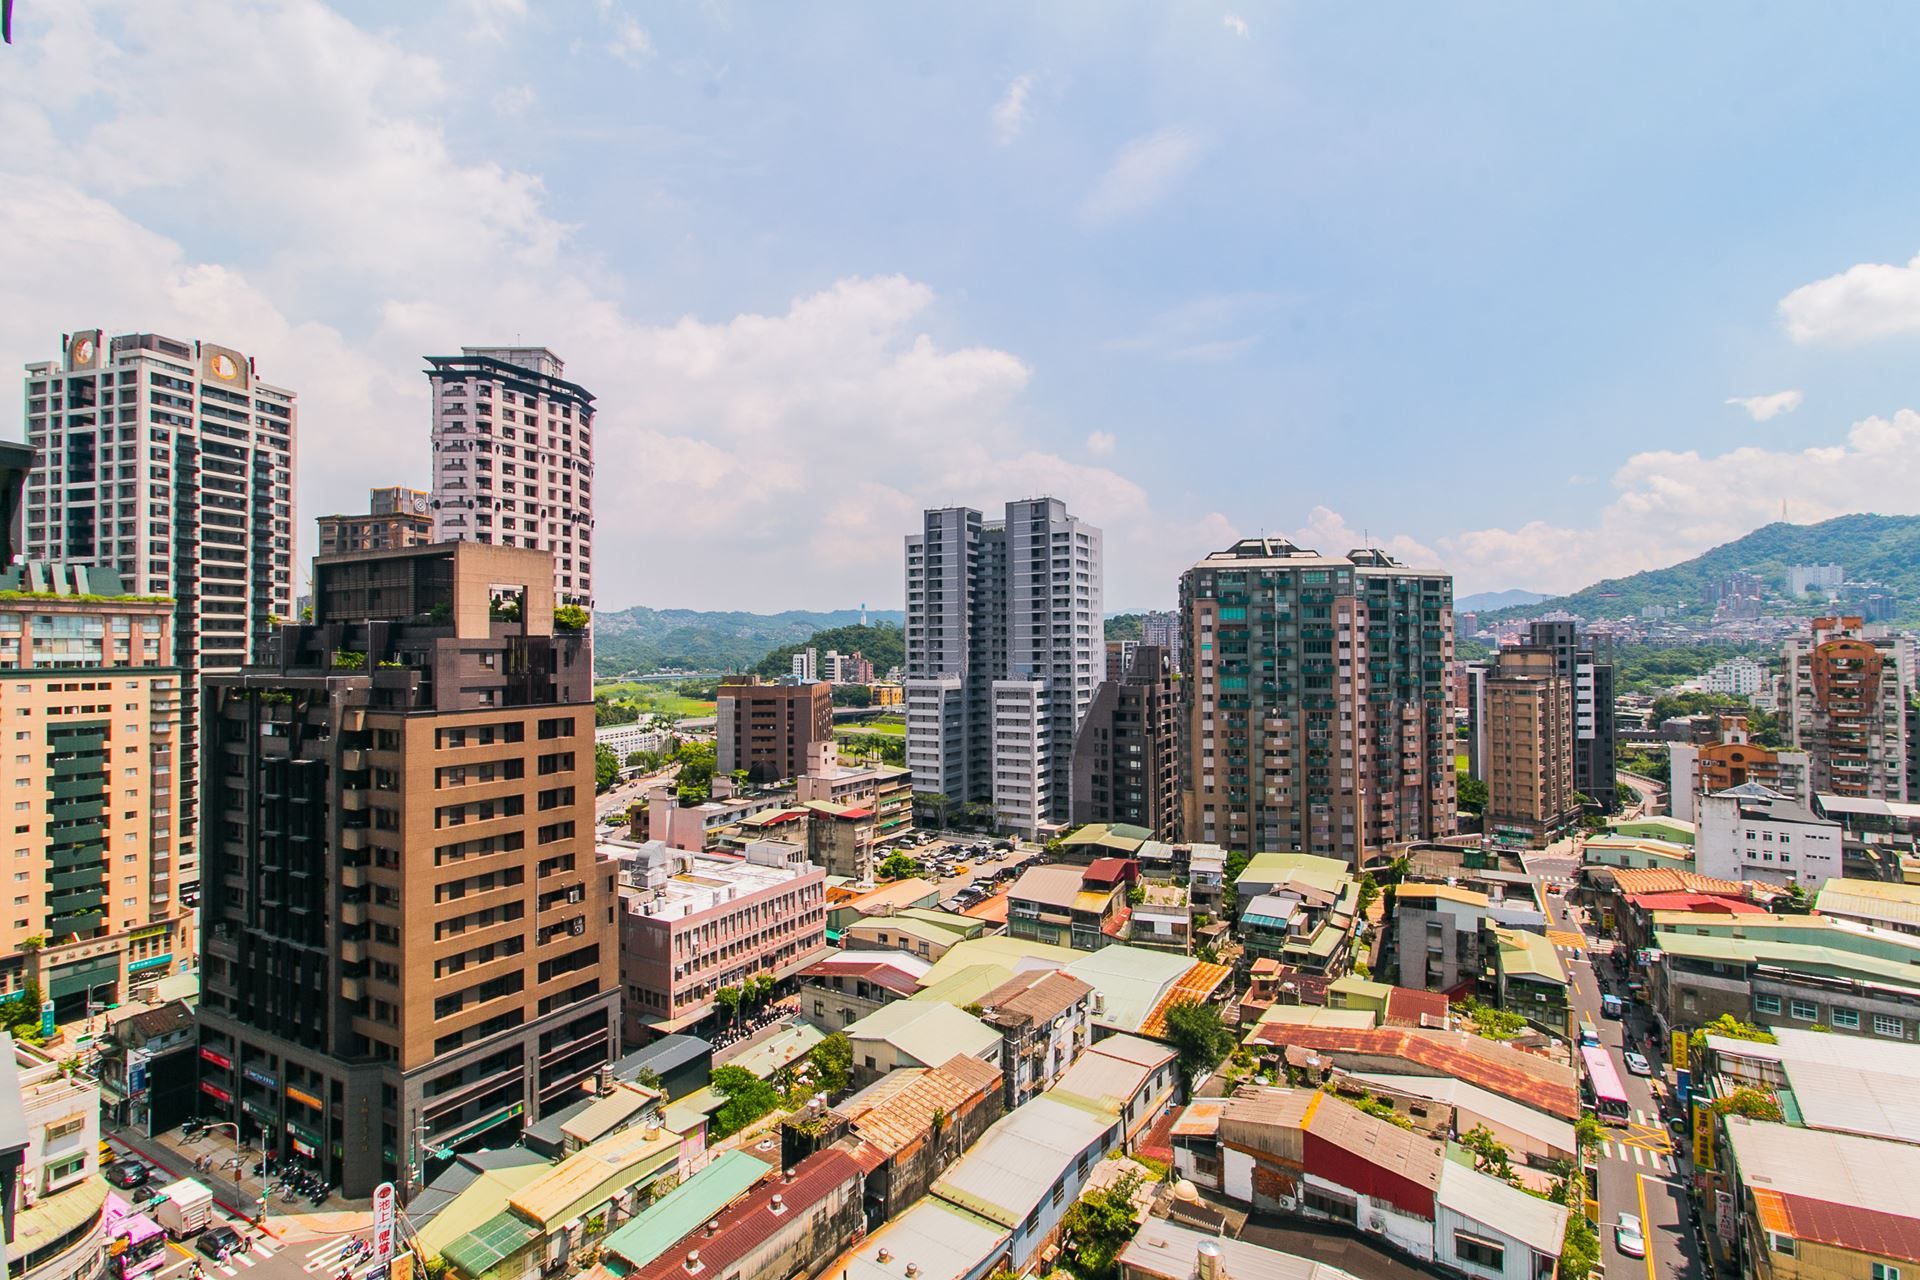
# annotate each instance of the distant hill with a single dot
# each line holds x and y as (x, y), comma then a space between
(637, 641)
(885, 646)
(1883, 549)
(1496, 600)
(1126, 626)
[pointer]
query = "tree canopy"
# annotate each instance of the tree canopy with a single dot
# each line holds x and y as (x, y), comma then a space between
(748, 1097)
(1199, 1037)
(1098, 1226)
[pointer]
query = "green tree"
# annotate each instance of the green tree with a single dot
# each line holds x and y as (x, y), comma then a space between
(1369, 891)
(852, 695)
(1236, 863)
(727, 1000)
(1098, 1227)
(1580, 1247)
(832, 1061)
(1588, 1132)
(1625, 795)
(1199, 1037)
(898, 866)
(748, 1097)
(1727, 1027)
(1472, 795)
(571, 617)
(696, 761)
(606, 766)
(1490, 1155)
(1754, 1104)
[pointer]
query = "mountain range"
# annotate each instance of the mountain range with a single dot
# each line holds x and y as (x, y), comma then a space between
(1484, 600)
(1870, 548)
(639, 640)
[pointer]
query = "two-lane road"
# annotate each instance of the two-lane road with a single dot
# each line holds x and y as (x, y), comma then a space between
(1638, 1173)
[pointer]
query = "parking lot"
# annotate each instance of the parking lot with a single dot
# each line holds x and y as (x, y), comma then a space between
(968, 868)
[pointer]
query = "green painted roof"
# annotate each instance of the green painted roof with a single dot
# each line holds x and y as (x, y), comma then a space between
(485, 1247)
(1524, 954)
(1324, 874)
(657, 1227)
(484, 1200)
(1828, 961)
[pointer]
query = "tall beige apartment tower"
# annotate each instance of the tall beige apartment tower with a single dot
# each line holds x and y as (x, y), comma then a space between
(89, 741)
(170, 462)
(1528, 758)
(513, 458)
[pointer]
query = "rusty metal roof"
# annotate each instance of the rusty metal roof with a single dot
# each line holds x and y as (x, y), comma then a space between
(1195, 986)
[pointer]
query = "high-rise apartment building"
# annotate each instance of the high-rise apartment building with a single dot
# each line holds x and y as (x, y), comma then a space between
(769, 729)
(1528, 746)
(396, 517)
(1004, 645)
(513, 458)
(1845, 687)
(1586, 664)
(409, 945)
(1125, 761)
(171, 463)
(1162, 629)
(90, 709)
(1316, 709)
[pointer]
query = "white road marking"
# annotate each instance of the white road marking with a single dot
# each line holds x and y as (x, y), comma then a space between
(1639, 1156)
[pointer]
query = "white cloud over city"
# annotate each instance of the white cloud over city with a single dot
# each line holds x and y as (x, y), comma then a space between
(1867, 301)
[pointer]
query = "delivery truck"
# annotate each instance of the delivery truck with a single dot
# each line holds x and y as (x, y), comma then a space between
(184, 1208)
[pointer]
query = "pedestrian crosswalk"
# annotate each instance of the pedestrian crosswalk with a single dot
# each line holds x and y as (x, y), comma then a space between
(1640, 1157)
(330, 1258)
(182, 1265)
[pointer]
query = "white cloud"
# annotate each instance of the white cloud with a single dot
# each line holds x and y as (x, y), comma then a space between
(1198, 330)
(1870, 300)
(630, 43)
(341, 197)
(1145, 171)
(1772, 405)
(1010, 113)
(1236, 24)
(1101, 444)
(1670, 506)
(489, 19)
(514, 100)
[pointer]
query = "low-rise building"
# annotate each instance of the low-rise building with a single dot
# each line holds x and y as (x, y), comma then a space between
(51, 1190)
(1530, 980)
(692, 923)
(908, 1126)
(1879, 903)
(1800, 970)
(625, 739)
(1529, 1079)
(1536, 1138)
(1132, 987)
(1807, 1204)
(886, 789)
(1133, 1078)
(1168, 1251)
(790, 1224)
(1069, 906)
(696, 1201)
(1749, 832)
(1704, 769)
(1207, 879)
(1162, 918)
(918, 931)
(918, 1033)
(1045, 1019)
(849, 903)
(1300, 910)
(843, 987)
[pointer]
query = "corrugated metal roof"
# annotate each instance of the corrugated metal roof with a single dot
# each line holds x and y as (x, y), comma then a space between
(926, 1031)
(1379, 1142)
(1540, 1084)
(1196, 985)
(1172, 1252)
(1014, 1165)
(1048, 886)
(1547, 1130)
(620, 1160)
(750, 1221)
(1035, 997)
(1632, 880)
(1539, 1224)
(686, 1207)
(938, 1240)
(906, 1115)
(1836, 1188)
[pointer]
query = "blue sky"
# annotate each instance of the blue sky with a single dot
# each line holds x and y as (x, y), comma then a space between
(1478, 282)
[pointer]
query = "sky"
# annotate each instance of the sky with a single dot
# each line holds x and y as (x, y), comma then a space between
(1538, 294)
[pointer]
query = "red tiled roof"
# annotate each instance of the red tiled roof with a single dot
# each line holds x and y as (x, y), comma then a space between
(1116, 927)
(1407, 1007)
(993, 910)
(1542, 1085)
(878, 972)
(748, 1222)
(1704, 903)
(1108, 870)
(1845, 1226)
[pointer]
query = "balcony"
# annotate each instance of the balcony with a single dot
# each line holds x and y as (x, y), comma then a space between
(353, 760)
(353, 839)
(354, 800)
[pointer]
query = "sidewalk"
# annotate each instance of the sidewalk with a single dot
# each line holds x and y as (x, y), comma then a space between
(239, 1192)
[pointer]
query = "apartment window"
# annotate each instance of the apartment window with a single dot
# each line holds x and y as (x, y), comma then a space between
(1766, 1004)
(1885, 1026)
(1848, 1018)
(70, 1125)
(59, 1171)
(1779, 1243)
(1480, 1253)
(1881, 1271)
(1805, 1010)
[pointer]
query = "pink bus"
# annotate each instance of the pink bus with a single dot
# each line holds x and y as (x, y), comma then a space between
(136, 1246)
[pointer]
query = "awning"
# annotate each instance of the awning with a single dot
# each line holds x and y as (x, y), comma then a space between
(496, 1239)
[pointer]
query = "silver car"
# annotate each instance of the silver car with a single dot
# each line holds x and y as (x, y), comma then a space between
(1628, 1238)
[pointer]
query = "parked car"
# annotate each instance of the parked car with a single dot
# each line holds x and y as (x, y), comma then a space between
(1638, 1064)
(128, 1174)
(1628, 1238)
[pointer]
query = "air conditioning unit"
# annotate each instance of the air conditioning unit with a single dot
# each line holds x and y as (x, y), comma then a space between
(577, 926)
(577, 894)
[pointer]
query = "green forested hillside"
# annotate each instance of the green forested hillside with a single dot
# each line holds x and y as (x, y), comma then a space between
(1883, 549)
(640, 640)
(883, 646)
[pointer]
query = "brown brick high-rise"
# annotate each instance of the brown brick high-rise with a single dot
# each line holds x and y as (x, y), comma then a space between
(767, 729)
(409, 945)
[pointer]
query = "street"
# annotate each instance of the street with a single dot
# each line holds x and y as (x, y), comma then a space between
(1638, 1174)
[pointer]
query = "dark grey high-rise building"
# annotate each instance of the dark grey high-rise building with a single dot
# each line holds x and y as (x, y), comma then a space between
(1125, 756)
(1004, 647)
(1316, 711)
(1586, 663)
